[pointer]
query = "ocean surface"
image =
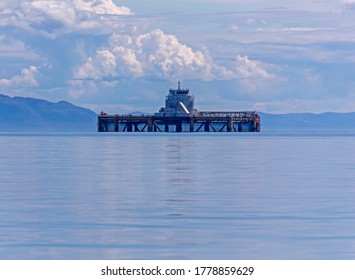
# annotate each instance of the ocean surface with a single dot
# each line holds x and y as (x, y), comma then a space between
(177, 196)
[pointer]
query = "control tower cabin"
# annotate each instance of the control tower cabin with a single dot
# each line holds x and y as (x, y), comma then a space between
(178, 104)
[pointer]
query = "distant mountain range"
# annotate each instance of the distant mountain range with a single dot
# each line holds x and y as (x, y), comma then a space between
(30, 114)
(308, 122)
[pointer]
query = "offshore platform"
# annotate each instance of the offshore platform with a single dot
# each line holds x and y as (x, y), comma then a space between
(179, 115)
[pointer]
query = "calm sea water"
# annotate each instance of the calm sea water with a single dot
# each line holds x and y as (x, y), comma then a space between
(177, 196)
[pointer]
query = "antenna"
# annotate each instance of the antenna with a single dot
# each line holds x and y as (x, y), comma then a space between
(178, 85)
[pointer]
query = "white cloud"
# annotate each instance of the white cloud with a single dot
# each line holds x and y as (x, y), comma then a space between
(102, 7)
(52, 16)
(252, 74)
(250, 69)
(158, 55)
(151, 54)
(38, 12)
(165, 54)
(102, 65)
(25, 79)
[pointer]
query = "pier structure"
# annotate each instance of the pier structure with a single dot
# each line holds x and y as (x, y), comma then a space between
(203, 122)
(179, 115)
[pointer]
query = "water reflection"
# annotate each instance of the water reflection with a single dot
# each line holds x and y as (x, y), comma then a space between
(176, 197)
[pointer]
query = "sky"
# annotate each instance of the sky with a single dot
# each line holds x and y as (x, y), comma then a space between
(121, 56)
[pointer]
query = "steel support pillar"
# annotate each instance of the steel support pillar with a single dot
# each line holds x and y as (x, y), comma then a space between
(179, 127)
(150, 124)
(129, 127)
(192, 124)
(207, 126)
(117, 127)
(229, 125)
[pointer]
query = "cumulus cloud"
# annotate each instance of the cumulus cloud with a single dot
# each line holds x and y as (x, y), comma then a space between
(127, 54)
(158, 55)
(51, 16)
(153, 54)
(25, 79)
(102, 7)
(102, 65)
(251, 74)
(250, 69)
(164, 53)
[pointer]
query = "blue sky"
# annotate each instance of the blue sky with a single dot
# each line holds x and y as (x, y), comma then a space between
(121, 56)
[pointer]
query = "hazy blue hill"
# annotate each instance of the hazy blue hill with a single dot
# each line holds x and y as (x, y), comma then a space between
(139, 113)
(30, 114)
(308, 122)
